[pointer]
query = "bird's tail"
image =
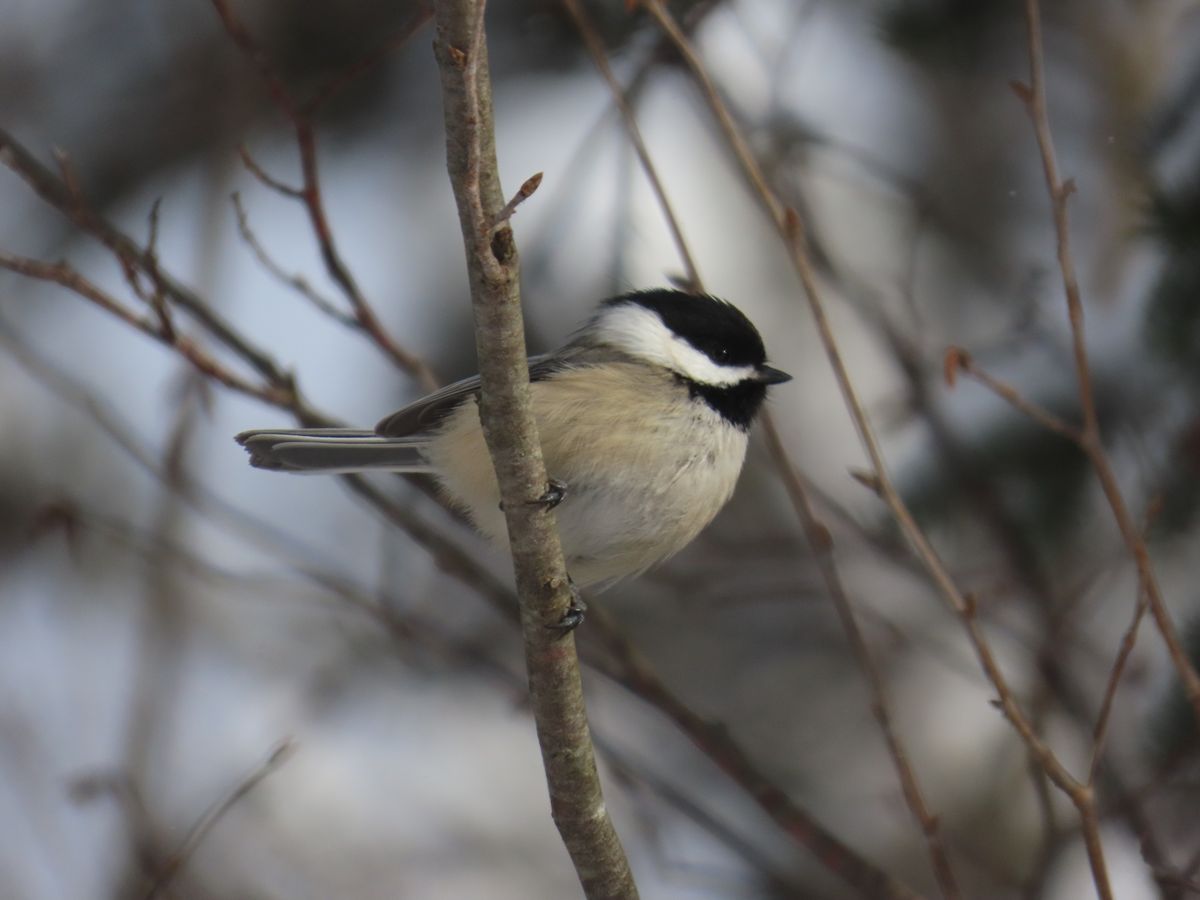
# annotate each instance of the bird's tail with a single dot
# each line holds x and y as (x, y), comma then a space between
(332, 451)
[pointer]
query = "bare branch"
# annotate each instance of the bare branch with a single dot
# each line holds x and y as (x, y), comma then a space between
(791, 230)
(821, 542)
(958, 359)
(266, 177)
(595, 48)
(62, 274)
(67, 199)
(175, 863)
(310, 195)
(298, 283)
(556, 690)
(1059, 191)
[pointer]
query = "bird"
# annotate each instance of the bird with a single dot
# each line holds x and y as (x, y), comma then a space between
(643, 416)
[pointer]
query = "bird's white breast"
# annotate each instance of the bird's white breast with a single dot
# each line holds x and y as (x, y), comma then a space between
(646, 467)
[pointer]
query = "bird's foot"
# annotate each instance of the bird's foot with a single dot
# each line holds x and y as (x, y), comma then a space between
(573, 617)
(556, 492)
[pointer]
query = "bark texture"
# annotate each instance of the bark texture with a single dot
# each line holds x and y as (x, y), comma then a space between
(556, 692)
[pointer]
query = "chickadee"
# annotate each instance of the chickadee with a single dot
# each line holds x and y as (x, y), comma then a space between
(643, 417)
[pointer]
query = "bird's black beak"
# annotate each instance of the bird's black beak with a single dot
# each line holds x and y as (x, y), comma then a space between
(768, 375)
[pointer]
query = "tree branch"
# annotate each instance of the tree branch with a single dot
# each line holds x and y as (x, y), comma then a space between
(556, 689)
(791, 230)
(1034, 97)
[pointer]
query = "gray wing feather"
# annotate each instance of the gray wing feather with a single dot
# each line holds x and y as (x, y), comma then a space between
(422, 415)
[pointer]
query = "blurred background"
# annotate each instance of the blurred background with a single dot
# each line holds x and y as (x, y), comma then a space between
(219, 682)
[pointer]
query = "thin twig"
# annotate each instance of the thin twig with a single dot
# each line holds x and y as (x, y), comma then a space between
(265, 177)
(1128, 640)
(310, 195)
(821, 542)
(298, 283)
(524, 192)
(66, 198)
(959, 360)
(791, 230)
(177, 860)
(556, 690)
(1034, 97)
(595, 48)
(633, 670)
(62, 274)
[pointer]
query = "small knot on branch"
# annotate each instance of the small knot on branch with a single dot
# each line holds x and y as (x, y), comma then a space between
(1023, 91)
(504, 247)
(868, 480)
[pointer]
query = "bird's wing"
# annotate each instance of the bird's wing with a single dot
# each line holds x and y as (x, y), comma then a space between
(422, 415)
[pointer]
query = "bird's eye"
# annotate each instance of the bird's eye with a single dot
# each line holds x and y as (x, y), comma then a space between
(722, 354)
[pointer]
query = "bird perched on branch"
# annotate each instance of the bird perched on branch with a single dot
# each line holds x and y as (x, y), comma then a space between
(643, 418)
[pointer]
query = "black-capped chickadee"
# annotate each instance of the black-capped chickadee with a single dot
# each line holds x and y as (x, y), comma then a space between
(643, 417)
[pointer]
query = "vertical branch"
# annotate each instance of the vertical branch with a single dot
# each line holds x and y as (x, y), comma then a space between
(1034, 97)
(555, 687)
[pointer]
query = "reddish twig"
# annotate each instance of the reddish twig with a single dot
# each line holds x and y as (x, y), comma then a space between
(632, 670)
(958, 360)
(266, 177)
(64, 195)
(524, 192)
(310, 195)
(62, 274)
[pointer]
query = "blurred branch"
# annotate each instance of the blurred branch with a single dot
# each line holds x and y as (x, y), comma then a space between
(821, 543)
(1034, 97)
(595, 48)
(67, 199)
(544, 591)
(299, 116)
(177, 860)
(297, 283)
(632, 670)
(790, 229)
(64, 275)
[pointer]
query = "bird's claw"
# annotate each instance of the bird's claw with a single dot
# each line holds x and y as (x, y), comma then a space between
(556, 492)
(573, 617)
